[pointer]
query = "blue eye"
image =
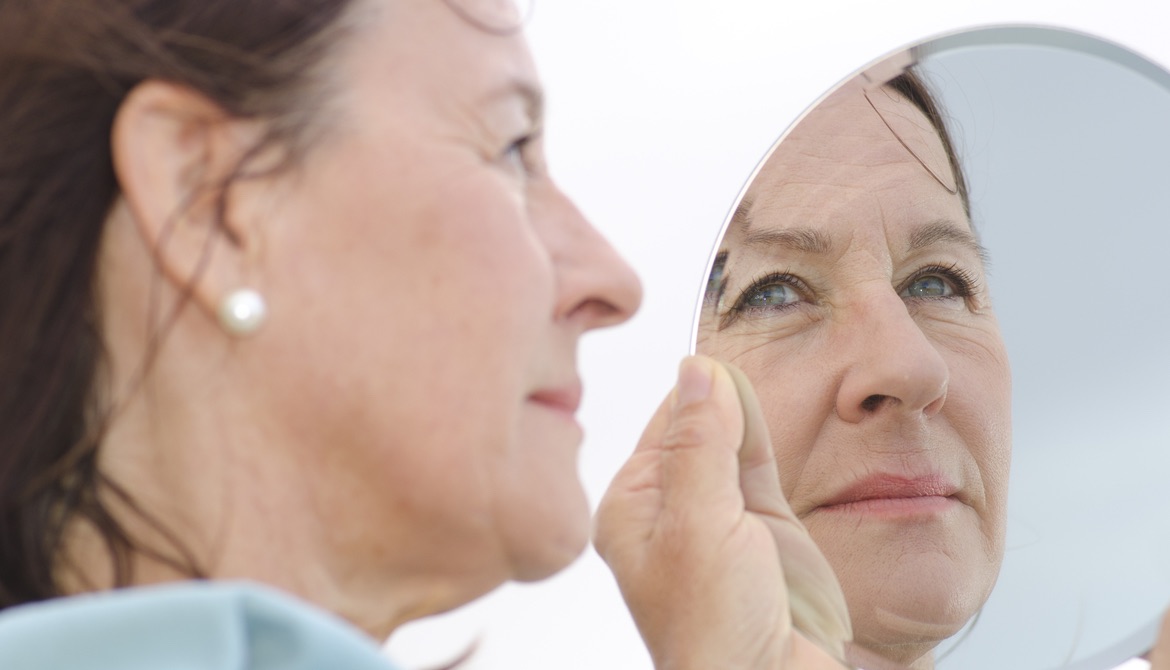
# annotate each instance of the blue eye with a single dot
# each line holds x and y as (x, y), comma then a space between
(929, 286)
(771, 295)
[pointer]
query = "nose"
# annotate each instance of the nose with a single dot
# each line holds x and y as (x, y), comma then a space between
(596, 288)
(893, 366)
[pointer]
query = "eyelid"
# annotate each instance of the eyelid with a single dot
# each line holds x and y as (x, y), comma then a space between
(739, 307)
(964, 282)
(522, 146)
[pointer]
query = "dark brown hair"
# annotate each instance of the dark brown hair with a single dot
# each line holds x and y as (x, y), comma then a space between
(65, 67)
(911, 86)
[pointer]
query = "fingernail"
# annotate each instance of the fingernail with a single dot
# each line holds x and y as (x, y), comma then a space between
(694, 382)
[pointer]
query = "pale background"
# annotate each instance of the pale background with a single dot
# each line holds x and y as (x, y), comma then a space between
(658, 112)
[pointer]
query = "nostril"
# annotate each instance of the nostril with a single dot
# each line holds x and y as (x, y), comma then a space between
(873, 402)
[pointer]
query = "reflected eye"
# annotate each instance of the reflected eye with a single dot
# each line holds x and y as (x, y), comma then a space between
(772, 295)
(930, 286)
(938, 282)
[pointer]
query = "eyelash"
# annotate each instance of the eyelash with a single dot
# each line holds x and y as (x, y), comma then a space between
(963, 284)
(520, 148)
(772, 278)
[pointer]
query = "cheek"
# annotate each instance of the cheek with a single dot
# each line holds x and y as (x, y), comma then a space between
(406, 311)
(979, 410)
(797, 396)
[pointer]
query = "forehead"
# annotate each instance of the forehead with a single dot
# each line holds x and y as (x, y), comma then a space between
(440, 49)
(856, 159)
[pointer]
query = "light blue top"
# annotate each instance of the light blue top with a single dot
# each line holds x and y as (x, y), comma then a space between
(185, 626)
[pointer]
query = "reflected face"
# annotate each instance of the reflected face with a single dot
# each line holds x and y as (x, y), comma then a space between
(853, 294)
(437, 282)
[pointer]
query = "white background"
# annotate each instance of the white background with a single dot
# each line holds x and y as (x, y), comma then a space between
(658, 111)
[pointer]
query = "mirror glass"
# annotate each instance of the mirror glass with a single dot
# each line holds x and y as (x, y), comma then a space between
(990, 196)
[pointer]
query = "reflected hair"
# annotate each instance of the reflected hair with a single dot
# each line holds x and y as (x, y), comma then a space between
(913, 88)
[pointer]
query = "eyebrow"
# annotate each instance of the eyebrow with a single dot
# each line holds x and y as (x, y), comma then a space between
(807, 240)
(946, 232)
(812, 241)
(529, 93)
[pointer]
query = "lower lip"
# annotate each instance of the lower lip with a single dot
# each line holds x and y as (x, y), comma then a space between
(561, 410)
(895, 508)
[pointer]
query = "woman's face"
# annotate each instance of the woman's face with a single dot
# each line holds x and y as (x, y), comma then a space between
(854, 295)
(428, 284)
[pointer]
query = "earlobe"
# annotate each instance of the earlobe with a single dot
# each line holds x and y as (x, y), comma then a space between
(174, 151)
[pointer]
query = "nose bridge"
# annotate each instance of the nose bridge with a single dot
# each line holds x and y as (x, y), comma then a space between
(594, 283)
(892, 365)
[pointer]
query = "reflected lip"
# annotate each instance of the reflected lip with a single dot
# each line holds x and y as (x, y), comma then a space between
(566, 398)
(892, 487)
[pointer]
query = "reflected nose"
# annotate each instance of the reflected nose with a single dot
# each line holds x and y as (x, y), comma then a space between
(894, 367)
(596, 288)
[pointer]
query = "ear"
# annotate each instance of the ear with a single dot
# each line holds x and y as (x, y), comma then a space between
(173, 150)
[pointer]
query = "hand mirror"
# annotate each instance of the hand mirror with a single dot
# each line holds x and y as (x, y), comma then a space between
(986, 196)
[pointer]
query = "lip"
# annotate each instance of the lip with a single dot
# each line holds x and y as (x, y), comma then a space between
(565, 399)
(894, 495)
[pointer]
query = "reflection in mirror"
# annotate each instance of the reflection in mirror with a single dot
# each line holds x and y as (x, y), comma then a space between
(1000, 195)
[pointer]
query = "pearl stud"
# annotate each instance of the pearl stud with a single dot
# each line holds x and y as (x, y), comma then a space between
(242, 312)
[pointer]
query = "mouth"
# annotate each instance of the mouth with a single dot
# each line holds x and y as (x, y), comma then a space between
(893, 496)
(564, 399)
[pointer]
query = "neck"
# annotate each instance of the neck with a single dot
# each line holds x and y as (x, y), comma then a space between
(213, 492)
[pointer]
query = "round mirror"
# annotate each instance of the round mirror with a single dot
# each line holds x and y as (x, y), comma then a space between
(990, 196)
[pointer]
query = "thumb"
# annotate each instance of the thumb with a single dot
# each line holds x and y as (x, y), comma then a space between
(815, 597)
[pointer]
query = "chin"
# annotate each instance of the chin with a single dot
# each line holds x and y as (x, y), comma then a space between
(549, 564)
(549, 533)
(921, 601)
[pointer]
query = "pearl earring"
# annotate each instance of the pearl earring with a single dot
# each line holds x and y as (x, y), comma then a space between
(242, 312)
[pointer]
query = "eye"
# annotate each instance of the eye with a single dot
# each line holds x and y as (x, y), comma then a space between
(931, 286)
(772, 294)
(517, 156)
(938, 282)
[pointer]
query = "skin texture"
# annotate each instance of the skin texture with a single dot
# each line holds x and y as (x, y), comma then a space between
(398, 438)
(874, 362)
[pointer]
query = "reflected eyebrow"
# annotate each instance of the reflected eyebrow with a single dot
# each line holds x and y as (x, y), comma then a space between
(946, 232)
(813, 241)
(806, 240)
(529, 93)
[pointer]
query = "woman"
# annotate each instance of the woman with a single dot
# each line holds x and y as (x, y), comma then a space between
(852, 291)
(289, 297)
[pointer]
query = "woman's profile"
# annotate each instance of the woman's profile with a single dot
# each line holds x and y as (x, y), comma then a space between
(289, 310)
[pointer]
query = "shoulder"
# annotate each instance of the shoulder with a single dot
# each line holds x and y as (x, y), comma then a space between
(188, 626)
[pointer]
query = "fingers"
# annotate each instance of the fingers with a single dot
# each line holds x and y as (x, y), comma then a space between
(627, 513)
(758, 477)
(714, 565)
(700, 469)
(816, 600)
(1160, 655)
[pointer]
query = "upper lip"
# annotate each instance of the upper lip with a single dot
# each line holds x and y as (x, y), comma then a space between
(565, 397)
(889, 485)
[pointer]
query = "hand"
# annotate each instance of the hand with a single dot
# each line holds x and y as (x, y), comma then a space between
(714, 566)
(1159, 656)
